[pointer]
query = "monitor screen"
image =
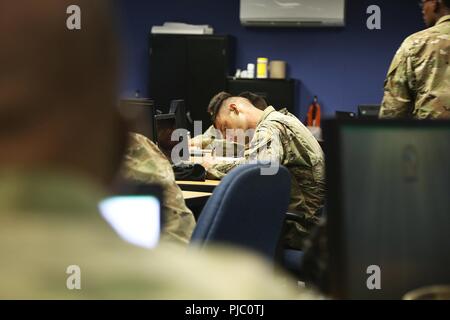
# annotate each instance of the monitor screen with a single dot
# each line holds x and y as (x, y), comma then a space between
(139, 114)
(178, 107)
(388, 207)
(135, 214)
(368, 111)
(344, 115)
(165, 126)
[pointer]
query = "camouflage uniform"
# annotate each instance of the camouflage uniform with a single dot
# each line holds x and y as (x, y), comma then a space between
(286, 112)
(418, 81)
(212, 138)
(285, 139)
(207, 138)
(50, 221)
(145, 163)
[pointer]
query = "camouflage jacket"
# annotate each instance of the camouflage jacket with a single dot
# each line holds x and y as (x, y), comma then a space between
(212, 138)
(418, 81)
(207, 138)
(286, 140)
(145, 163)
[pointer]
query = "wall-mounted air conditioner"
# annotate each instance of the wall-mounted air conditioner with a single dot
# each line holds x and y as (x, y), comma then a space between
(293, 13)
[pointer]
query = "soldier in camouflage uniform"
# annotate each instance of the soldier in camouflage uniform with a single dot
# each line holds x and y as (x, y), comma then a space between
(145, 163)
(212, 138)
(418, 81)
(286, 140)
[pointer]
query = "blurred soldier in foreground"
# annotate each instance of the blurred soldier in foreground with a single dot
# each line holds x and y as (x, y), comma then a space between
(61, 143)
(145, 163)
(418, 81)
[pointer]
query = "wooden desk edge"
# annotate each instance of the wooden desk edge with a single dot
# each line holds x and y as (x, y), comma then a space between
(188, 195)
(214, 183)
(198, 186)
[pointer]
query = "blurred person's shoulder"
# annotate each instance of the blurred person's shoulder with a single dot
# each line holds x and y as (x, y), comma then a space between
(227, 273)
(47, 219)
(53, 237)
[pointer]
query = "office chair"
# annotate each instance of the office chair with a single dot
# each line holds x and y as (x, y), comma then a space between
(294, 260)
(247, 210)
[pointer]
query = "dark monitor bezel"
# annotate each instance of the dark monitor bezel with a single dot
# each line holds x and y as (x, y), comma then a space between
(361, 116)
(335, 242)
(345, 115)
(145, 102)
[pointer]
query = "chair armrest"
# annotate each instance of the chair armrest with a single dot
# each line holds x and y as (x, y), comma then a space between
(289, 216)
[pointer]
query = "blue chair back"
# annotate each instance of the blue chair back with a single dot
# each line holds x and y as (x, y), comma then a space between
(247, 210)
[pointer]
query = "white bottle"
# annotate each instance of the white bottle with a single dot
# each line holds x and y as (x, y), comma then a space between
(251, 71)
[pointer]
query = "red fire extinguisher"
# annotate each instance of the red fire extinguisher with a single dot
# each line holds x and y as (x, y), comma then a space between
(314, 114)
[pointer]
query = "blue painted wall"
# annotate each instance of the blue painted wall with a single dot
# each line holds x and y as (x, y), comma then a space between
(344, 67)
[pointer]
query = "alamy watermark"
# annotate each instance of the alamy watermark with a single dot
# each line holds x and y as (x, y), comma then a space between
(73, 281)
(73, 21)
(374, 20)
(374, 280)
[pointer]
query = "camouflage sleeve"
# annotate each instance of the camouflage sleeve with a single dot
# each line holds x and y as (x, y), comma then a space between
(220, 170)
(206, 139)
(398, 101)
(265, 147)
(145, 163)
(202, 141)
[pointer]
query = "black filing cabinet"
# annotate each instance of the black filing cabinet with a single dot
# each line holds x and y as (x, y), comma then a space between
(279, 93)
(189, 67)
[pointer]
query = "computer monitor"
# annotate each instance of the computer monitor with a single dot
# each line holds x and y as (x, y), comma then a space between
(165, 125)
(135, 212)
(369, 111)
(139, 114)
(388, 205)
(344, 115)
(178, 107)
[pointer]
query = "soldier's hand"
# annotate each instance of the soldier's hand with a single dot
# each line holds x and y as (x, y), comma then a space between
(208, 161)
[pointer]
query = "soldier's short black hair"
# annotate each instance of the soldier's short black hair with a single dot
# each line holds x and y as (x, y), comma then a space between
(216, 103)
(256, 100)
(218, 100)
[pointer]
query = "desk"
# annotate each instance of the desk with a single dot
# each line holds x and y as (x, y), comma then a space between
(198, 186)
(195, 198)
